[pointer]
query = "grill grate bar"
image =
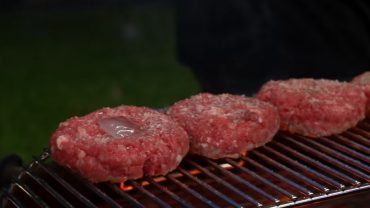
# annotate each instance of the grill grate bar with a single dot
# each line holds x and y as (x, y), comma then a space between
(49, 189)
(318, 164)
(354, 162)
(11, 198)
(196, 194)
(347, 150)
(305, 168)
(66, 185)
(100, 193)
(32, 194)
(149, 194)
(125, 195)
(245, 170)
(321, 197)
(168, 192)
(214, 191)
(359, 135)
(302, 189)
(233, 188)
(97, 191)
(293, 172)
(329, 159)
(353, 143)
(290, 170)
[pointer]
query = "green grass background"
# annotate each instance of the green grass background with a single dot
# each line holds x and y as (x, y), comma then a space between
(60, 63)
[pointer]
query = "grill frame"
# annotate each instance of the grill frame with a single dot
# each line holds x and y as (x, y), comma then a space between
(313, 169)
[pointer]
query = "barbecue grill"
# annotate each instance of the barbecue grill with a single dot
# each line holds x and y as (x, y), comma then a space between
(289, 171)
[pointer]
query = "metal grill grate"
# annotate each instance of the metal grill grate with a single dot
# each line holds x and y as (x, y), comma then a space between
(288, 171)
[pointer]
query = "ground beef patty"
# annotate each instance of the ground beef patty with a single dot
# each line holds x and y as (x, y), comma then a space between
(363, 80)
(315, 108)
(115, 144)
(225, 125)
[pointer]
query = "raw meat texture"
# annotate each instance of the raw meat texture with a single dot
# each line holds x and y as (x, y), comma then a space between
(363, 80)
(116, 144)
(225, 125)
(315, 108)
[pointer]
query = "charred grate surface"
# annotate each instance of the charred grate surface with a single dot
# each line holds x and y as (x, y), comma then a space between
(290, 170)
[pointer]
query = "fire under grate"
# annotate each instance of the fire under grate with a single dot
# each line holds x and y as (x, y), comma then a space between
(291, 170)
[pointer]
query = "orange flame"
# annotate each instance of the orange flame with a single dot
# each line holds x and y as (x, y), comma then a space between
(159, 179)
(194, 172)
(123, 187)
(242, 162)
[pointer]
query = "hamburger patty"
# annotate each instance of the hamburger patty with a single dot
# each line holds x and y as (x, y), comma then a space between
(116, 144)
(363, 80)
(225, 125)
(315, 108)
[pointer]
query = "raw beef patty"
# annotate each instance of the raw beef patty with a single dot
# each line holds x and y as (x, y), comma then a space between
(225, 125)
(116, 144)
(315, 108)
(363, 80)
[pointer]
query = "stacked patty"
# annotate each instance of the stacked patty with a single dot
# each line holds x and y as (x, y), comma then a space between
(225, 125)
(315, 108)
(116, 144)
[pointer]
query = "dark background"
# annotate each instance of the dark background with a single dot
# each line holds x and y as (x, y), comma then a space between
(64, 58)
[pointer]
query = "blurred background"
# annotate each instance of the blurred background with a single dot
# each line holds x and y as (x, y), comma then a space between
(64, 58)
